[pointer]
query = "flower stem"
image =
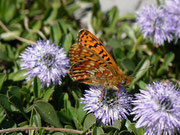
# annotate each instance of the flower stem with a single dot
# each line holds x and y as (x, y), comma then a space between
(17, 37)
(137, 43)
(158, 2)
(38, 128)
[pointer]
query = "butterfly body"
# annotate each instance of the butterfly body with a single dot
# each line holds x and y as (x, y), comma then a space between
(93, 65)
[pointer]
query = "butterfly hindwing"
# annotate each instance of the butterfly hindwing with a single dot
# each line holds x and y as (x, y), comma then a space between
(87, 67)
(89, 72)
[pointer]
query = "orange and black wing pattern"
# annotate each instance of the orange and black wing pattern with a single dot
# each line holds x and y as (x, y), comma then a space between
(91, 63)
(88, 40)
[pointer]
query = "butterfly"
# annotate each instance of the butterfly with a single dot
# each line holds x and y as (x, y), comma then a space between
(93, 65)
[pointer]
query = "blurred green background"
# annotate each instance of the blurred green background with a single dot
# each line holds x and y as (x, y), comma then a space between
(26, 21)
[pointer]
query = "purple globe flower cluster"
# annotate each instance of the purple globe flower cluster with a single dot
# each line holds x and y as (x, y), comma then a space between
(107, 110)
(160, 23)
(158, 109)
(46, 61)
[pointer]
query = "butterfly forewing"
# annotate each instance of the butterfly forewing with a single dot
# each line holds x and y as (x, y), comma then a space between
(87, 39)
(92, 64)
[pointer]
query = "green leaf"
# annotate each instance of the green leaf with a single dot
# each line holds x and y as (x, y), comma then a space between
(58, 133)
(142, 70)
(128, 64)
(117, 124)
(37, 87)
(56, 33)
(130, 32)
(129, 16)
(7, 10)
(124, 132)
(136, 131)
(50, 16)
(67, 42)
(63, 27)
(47, 113)
(14, 91)
(10, 53)
(72, 8)
(164, 67)
(17, 103)
(161, 70)
(18, 76)
(48, 93)
(115, 43)
(36, 120)
(4, 102)
(89, 121)
(76, 122)
(81, 112)
(168, 58)
(67, 103)
(142, 85)
(118, 53)
(2, 79)
(4, 56)
(2, 114)
(36, 25)
(97, 131)
(113, 16)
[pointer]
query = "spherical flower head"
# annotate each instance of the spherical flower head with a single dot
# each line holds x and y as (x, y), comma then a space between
(158, 109)
(156, 24)
(45, 60)
(107, 110)
(173, 8)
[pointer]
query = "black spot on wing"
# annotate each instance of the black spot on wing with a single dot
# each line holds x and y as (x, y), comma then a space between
(96, 44)
(108, 59)
(91, 55)
(86, 33)
(101, 63)
(101, 51)
(80, 33)
(93, 39)
(104, 55)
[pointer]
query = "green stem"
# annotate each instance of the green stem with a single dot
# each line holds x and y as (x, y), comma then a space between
(158, 2)
(137, 43)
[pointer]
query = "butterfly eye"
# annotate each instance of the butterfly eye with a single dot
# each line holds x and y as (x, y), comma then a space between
(123, 81)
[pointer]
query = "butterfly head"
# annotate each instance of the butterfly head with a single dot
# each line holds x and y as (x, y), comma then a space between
(125, 80)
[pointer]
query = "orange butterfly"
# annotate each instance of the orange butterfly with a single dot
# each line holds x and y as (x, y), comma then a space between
(93, 65)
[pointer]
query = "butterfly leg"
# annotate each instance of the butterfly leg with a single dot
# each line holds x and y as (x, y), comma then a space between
(117, 93)
(102, 92)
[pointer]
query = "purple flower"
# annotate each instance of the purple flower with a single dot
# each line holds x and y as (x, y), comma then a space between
(156, 24)
(107, 110)
(158, 109)
(173, 8)
(45, 60)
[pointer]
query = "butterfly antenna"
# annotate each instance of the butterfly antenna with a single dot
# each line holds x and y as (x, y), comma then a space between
(132, 75)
